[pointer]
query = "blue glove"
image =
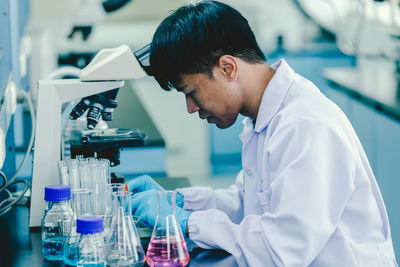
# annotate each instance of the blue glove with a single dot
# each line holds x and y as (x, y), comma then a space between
(145, 206)
(143, 183)
(179, 200)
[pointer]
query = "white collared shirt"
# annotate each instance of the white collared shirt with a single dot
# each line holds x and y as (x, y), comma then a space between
(306, 195)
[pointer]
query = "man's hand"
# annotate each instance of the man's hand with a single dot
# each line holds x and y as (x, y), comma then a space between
(143, 183)
(145, 206)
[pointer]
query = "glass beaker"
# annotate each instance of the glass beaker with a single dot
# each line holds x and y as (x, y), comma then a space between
(167, 246)
(81, 199)
(123, 247)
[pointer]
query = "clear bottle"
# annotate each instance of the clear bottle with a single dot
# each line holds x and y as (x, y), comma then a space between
(91, 242)
(55, 220)
(123, 246)
(81, 206)
(167, 246)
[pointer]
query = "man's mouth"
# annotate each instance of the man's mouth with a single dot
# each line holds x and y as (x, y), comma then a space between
(203, 116)
(211, 119)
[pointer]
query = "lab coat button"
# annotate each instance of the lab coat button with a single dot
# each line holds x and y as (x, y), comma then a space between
(248, 172)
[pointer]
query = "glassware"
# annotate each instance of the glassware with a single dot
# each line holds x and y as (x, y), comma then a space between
(123, 247)
(73, 173)
(91, 242)
(55, 221)
(110, 190)
(97, 186)
(105, 163)
(81, 206)
(63, 172)
(83, 173)
(167, 246)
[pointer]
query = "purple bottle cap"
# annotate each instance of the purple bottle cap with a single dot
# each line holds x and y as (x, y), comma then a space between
(57, 192)
(89, 225)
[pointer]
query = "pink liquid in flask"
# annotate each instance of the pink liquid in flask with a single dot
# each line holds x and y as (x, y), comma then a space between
(162, 253)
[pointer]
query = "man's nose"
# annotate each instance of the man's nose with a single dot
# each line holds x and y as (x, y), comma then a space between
(191, 105)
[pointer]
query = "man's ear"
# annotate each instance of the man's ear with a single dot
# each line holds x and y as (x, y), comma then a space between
(229, 67)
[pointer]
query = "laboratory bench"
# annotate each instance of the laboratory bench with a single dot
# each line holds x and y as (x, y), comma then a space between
(381, 95)
(20, 247)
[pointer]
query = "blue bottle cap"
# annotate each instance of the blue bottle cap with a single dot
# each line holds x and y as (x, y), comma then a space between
(57, 192)
(89, 225)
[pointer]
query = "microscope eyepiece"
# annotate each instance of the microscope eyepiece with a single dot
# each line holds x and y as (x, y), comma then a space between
(143, 57)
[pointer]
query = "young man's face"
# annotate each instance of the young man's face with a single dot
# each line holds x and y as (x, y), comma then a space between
(217, 100)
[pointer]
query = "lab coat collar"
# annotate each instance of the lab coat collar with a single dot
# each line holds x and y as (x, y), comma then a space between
(271, 101)
(248, 128)
(274, 94)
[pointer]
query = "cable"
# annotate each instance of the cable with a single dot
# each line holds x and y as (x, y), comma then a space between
(32, 112)
(3, 176)
(11, 200)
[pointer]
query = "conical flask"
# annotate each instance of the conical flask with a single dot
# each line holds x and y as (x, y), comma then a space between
(81, 207)
(123, 247)
(167, 246)
(111, 189)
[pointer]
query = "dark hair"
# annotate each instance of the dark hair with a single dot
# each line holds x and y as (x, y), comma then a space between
(194, 37)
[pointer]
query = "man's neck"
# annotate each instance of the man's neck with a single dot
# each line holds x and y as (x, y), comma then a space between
(255, 80)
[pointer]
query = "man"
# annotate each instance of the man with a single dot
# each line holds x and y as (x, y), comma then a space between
(306, 195)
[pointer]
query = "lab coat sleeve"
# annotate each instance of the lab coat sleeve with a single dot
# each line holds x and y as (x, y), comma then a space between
(310, 171)
(228, 200)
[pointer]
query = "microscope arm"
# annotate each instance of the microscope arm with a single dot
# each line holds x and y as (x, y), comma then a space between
(102, 105)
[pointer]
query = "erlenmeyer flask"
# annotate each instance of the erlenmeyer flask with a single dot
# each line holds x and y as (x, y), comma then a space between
(167, 246)
(123, 247)
(111, 189)
(81, 207)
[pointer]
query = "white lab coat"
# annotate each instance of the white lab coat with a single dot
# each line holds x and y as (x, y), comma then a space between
(306, 195)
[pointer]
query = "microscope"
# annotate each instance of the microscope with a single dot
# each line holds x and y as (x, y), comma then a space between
(98, 85)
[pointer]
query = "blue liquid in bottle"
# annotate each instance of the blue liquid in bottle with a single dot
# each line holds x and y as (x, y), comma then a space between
(55, 220)
(52, 248)
(69, 255)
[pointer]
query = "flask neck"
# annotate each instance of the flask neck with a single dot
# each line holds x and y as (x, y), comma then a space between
(122, 201)
(166, 203)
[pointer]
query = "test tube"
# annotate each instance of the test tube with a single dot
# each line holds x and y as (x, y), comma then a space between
(97, 188)
(105, 165)
(63, 172)
(83, 173)
(73, 174)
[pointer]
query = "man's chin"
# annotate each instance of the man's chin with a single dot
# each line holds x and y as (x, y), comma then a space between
(222, 125)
